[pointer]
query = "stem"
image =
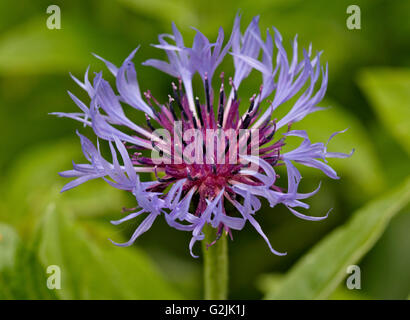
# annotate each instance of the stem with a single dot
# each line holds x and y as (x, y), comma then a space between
(215, 265)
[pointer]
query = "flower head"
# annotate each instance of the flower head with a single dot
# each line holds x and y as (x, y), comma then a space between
(203, 154)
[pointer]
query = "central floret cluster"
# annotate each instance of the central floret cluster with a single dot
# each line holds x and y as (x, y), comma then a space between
(206, 154)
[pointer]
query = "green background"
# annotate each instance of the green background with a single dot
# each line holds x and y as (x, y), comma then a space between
(369, 92)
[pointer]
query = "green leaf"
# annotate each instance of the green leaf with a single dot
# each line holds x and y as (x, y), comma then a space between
(345, 294)
(9, 242)
(92, 267)
(269, 282)
(21, 274)
(319, 272)
(389, 93)
(273, 281)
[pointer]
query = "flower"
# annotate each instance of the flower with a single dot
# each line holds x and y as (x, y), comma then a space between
(191, 194)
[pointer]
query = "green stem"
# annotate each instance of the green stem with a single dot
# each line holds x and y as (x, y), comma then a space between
(215, 265)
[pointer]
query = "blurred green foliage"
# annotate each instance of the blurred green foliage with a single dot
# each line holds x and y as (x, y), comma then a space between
(342, 248)
(369, 92)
